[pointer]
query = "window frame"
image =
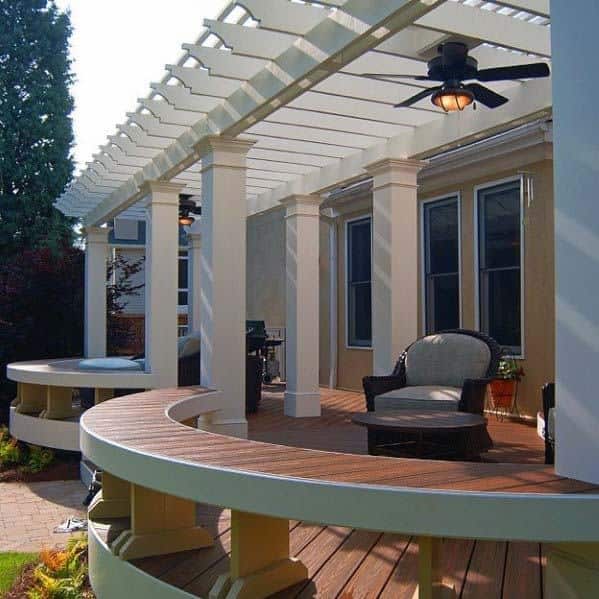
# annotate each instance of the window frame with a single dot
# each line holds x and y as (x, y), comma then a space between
(477, 308)
(347, 223)
(457, 196)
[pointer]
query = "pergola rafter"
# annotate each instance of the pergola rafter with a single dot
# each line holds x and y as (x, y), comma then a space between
(290, 76)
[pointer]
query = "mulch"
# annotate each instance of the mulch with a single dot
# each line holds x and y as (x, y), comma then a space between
(60, 470)
(22, 584)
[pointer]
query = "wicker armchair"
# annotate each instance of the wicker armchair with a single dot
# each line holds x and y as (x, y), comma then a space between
(473, 390)
(548, 395)
(469, 393)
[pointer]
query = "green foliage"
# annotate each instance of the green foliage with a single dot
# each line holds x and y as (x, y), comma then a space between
(35, 125)
(39, 459)
(11, 565)
(41, 310)
(509, 369)
(10, 453)
(62, 574)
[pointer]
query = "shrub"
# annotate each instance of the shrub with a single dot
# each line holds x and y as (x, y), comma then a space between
(10, 453)
(62, 574)
(39, 459)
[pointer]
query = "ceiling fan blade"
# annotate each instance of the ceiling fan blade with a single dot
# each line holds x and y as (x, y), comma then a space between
(522, 71)
(419, 96)
(395, 76)
(486, 96)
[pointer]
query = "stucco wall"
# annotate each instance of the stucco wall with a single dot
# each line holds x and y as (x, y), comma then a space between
(539, 296)
(266, 268)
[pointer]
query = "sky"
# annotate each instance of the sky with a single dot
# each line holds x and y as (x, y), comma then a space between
(118, 48)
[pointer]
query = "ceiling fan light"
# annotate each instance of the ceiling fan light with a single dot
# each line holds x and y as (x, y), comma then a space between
(452, 99)
(186, 220)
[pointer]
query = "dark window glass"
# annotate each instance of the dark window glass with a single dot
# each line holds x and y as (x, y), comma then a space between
(499, 218)
(359, 294)
(183, 279)
(442, 265)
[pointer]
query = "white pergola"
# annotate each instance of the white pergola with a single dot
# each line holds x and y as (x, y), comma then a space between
(270, 108)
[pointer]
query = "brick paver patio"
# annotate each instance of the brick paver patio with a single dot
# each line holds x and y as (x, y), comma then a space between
(29, 512)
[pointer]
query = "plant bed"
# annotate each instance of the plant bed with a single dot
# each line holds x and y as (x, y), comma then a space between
(20, 462)
(12, 569)
(57, 574)
(59, 470)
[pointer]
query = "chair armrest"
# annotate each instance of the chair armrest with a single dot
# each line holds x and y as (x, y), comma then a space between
(473, 395)
(375, 385)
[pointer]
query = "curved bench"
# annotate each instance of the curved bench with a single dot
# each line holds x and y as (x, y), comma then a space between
(151, 457)
(43, 413)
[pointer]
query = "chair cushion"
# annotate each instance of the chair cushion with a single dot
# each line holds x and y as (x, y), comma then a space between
(109, 364)
(188, 345)
(551, 423)
(431, 397)
(446, 359)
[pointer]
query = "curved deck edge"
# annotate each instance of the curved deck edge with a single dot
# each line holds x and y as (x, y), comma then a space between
(420, 511)
(57, 434)
(115, 578)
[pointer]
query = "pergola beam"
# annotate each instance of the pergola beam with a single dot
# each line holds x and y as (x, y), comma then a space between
(331, 44)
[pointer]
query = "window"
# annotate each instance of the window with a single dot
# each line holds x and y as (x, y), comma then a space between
(441, 254)
(359, 302)
(500, 264)
(183, 279)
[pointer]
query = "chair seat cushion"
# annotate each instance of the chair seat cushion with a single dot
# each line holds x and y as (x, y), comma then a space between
(551, 424)
(426, 397)
(189, 345)
(109, 364)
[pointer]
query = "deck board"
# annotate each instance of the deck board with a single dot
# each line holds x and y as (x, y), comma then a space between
(345, 563)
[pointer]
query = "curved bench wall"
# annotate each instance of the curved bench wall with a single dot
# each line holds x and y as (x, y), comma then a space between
(147, 447)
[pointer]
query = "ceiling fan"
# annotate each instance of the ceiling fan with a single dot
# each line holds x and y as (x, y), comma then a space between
(452, 67)
(187, 207)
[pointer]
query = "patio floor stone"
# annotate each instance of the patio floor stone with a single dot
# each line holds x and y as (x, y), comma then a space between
(29, 512)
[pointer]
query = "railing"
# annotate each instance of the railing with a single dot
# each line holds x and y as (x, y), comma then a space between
(157, 469)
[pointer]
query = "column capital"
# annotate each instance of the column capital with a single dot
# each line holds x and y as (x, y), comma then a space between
(223, 151)
(165, 192)
(97, 234)
(395, 171)
(302, 205)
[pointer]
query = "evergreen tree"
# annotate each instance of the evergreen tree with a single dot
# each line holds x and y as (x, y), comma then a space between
(36, 131)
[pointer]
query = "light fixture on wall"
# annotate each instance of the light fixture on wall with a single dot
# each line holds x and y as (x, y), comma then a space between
(187, 207)
(451, 98)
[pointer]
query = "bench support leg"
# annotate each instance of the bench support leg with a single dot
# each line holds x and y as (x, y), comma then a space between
(430, 578)
(113, 501)
(260, 562)
(572, 571)
(31, 399)
(160, 524)
(59, 403)
(101, 395)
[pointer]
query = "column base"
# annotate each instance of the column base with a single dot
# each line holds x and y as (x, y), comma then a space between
(230, 427)
(128, 545)
(302, 405)
(101, 508)
(264, 583)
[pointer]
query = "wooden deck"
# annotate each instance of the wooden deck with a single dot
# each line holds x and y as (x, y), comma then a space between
(352, 564)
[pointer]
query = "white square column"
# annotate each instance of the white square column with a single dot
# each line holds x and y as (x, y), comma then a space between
(161, 288)
(96, 256)
(302, 222)
(223, 277)
(194, 261)
(394, 259)
(576, 181)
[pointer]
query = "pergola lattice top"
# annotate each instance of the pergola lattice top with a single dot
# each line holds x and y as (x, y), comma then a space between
(288, 74)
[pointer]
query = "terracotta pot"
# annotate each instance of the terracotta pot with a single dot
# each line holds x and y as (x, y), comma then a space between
(503, 392)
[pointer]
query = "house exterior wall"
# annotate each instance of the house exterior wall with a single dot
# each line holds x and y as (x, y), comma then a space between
(539, 305)
(266, 267)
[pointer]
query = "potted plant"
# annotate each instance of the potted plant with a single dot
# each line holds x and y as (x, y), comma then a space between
(503, 387)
